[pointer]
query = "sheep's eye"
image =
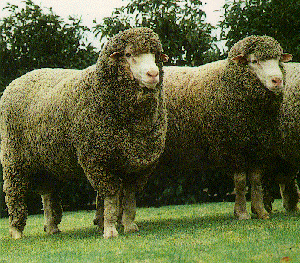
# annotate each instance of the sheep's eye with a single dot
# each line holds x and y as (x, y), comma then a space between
(128, 55)
(254, 61)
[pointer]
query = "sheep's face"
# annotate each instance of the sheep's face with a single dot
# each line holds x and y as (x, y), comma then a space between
(142, 67)
(268, 71)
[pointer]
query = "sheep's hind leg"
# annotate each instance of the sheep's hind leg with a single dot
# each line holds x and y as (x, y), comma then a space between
(52, 212)
(111, 212)
(267, 193)
(129, 211)
(290, 196)
(99, 215)
(257, 203)
(15, 188)
(240, 208)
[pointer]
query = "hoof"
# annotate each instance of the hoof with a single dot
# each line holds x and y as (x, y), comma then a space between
(110, 232)
(15, 233)
(263, 215)
(242, 216)
(131, 228)
(51, 230)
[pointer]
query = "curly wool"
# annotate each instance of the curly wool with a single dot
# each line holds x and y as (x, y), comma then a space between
(284, 167)
(263, 47)
(59, 123)
(290, 115)
(220, 114)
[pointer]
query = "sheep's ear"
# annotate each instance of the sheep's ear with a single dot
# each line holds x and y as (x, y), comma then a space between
(165, 57)
(285, 57)
(239, 59)
(115, 55)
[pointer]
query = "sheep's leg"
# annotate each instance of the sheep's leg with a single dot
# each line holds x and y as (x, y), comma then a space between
(111, 212)
(16, 188)
(240, 208)
(290, 196)
(129, 211)
(107, 185)
(257, 203)
(52, 212)
(267, 194)
(99, 215)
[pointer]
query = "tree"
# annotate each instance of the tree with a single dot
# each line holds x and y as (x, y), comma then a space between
(180, 24)
(31, 38)
(276, 18)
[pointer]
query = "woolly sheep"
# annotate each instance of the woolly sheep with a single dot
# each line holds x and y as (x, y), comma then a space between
(107, 122)
(285, 166)
(224, 115)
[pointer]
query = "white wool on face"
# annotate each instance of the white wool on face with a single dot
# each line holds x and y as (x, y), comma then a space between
(268, 72)
(144, 69)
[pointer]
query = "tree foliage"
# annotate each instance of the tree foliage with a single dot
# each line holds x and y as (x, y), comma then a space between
(276, 18)
(31, 38)
(186, 38)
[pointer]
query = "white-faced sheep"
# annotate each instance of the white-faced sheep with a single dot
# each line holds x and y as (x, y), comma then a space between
(107, 122)
(225, 115)
(284, 168)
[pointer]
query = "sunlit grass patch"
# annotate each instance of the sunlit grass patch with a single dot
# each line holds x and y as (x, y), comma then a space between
(189, 233)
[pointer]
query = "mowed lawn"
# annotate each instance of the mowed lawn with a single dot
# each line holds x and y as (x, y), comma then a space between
(188, 233)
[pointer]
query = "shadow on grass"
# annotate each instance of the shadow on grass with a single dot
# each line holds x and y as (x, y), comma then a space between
(185, 224)
(165, 226)
(158, 226)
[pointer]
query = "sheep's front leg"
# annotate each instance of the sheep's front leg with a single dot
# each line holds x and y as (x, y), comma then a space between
(240, 206)
(290, 196)
(129, 211)
(257, 203)
(15, 188)
(52, 212)
(111, 212)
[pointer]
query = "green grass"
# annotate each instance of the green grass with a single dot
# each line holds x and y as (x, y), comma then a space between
(191, 233)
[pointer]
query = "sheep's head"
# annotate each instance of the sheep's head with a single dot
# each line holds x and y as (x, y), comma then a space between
(131, 67)
(137, 52)
(262, 55)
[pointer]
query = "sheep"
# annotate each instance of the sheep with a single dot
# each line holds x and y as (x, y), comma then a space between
(225, 115)
(107, 122)
(285, 166)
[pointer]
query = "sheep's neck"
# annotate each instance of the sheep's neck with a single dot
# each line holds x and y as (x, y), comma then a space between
(139, 116)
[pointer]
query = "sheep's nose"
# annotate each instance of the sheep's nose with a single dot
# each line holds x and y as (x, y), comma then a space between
(153, 73)
(276, 81)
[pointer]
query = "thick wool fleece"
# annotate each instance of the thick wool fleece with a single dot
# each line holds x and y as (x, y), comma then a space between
(98, 123)
(284, 168)
(290, 115)
(220, 114)
(263, 47)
